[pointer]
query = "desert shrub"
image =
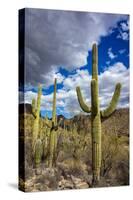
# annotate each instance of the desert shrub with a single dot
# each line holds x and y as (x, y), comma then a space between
(109, 152)
(74, 144)
(73, 167)
(122, 162)
(115, 158)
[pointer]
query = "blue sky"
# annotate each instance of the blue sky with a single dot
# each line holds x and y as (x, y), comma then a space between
(63, 50)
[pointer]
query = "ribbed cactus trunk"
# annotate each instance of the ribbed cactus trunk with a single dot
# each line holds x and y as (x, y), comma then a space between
(36, 114)
(95, 120)
(36, 142)
(38, 152)
(96, 114)
(53, 132)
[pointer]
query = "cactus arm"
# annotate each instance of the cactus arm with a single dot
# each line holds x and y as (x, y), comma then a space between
(112, 106)
(83, 105)
(94, 96)
(34, 107)
(49, 125)
(48, 122)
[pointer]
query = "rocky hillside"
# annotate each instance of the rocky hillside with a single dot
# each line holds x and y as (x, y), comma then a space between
(118, 122)
(74, 149)
(25, 108)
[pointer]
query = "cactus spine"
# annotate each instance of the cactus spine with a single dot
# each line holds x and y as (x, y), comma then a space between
(36, 142)
(53, 132)
(96, 114)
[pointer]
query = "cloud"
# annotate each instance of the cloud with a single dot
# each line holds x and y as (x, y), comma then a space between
(107, 81)
(123, 36)
(26, 97)
(111, 54)
(124, 31)
(67, 102)
(109, 78)
(124, 26)
(122, 51)
(108, 63)
(50, 76)
(56, 39)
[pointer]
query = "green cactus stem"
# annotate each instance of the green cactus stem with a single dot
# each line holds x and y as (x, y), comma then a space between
(38, 152)
(96, 114)
(53, 132)
(83, 105)
(111, 108)
(36, 113)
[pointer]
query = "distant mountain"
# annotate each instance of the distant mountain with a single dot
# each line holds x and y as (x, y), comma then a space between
(118, 122)
(25, 108)
(60, 117)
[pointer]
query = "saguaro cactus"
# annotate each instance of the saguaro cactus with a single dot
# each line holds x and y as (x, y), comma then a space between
(38, 152)
(96, 114)
(53, 132)
(36, 113)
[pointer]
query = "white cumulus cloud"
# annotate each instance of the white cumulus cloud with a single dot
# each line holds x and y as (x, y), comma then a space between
(61, 39)
(111, 54)
(67, 98)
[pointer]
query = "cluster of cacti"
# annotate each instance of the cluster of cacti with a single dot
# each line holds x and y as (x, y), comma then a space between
(36, 141)
(44, 142)
(96, 114)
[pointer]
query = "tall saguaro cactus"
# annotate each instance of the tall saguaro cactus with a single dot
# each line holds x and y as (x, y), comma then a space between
(36, 113)
(96, 114)
(53, 131)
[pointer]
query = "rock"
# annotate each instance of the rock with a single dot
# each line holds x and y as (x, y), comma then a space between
(75, 179)
(45, 188)
(61, 177)
(65, 184)
(61, 186)
(41, 187)
(89, 178)
(46, 182)
(38, 171)
(38, 186)
(35, 190)
(28, 189)
(29, 183)
(29, 173)
(79, 183)
(69, 185)
(82, 185)
(72, 183)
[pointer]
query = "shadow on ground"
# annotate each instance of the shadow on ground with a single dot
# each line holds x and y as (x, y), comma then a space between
(13, 185)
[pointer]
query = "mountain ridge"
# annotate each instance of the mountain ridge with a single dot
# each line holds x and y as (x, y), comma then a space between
(117, 122)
